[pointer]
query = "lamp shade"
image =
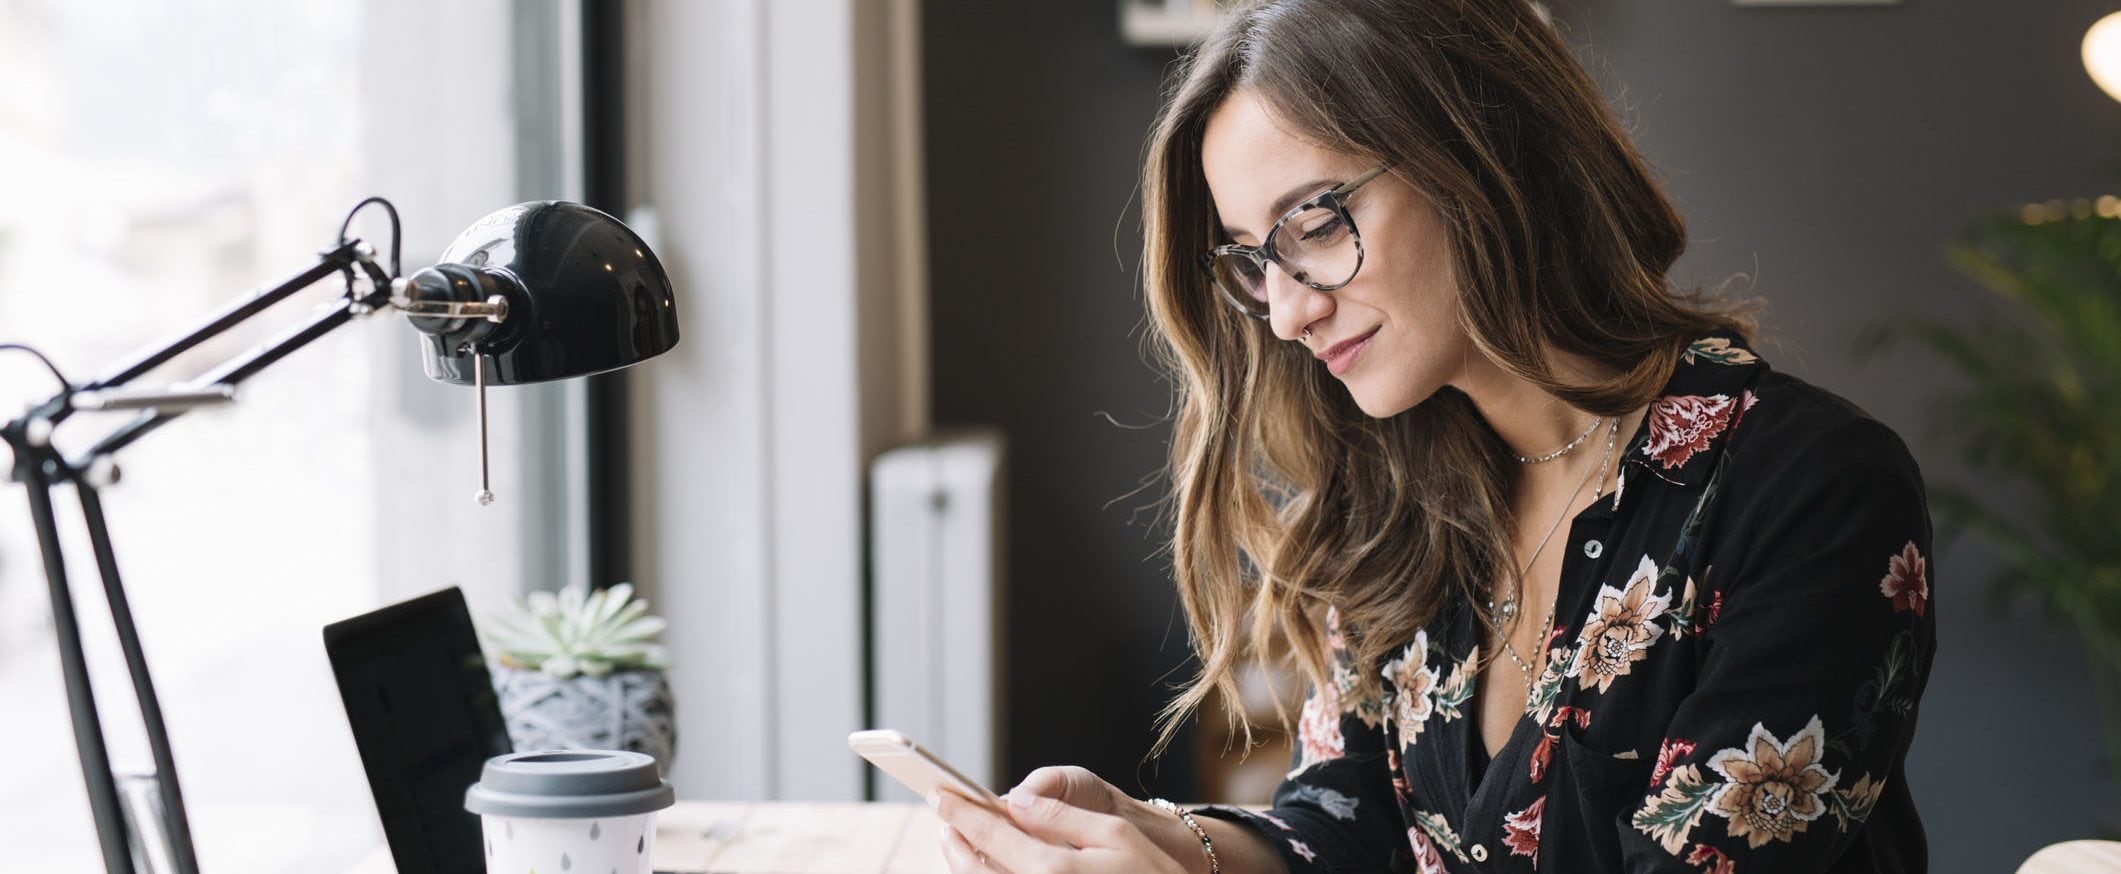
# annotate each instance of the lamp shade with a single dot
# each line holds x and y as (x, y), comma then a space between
(584, 295)
(2102, 54)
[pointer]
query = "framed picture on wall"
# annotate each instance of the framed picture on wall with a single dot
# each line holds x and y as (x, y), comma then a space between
(1167, 22)
(1184, 22)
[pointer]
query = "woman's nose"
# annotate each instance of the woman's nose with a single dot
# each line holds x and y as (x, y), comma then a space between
(1292, 305)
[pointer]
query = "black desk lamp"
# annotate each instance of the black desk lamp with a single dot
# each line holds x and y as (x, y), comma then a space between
(534, 292)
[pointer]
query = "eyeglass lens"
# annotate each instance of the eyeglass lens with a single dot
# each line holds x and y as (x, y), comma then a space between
(1316, 247)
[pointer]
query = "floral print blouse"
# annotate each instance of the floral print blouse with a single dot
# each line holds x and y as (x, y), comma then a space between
(1741, 638)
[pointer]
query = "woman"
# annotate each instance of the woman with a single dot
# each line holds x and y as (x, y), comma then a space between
(1580, 582)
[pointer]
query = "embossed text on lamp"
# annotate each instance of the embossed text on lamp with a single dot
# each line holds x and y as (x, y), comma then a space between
(534, 292)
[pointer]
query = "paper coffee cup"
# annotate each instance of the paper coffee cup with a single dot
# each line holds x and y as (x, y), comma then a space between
(569, 811)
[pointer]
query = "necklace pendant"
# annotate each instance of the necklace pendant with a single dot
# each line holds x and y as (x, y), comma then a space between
(1508, 610)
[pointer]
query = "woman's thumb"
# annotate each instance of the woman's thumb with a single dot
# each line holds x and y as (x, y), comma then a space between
(1070, 785)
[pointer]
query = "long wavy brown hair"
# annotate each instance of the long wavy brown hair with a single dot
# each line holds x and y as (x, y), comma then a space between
(1288, 499)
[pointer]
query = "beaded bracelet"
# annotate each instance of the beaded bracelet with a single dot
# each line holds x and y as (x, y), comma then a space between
(1215, 866)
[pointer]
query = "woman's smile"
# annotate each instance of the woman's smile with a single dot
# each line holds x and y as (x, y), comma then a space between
(1340, 357)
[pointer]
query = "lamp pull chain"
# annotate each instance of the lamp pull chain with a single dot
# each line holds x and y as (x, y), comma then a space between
(478, 378)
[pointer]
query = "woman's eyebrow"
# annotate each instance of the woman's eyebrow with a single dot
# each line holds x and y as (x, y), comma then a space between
(1286, 201)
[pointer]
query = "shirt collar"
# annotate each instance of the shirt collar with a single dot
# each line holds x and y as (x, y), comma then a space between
(1687, 425)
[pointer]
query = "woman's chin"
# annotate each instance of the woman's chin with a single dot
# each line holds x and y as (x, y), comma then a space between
(1388, 397)
(1385, 402)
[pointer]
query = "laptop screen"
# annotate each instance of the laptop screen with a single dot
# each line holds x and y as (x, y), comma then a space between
(425, 718)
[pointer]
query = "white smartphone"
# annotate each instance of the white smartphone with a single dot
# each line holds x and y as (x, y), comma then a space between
(913, 765)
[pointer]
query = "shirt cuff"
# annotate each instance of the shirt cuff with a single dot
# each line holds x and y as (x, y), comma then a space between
(1296, 852)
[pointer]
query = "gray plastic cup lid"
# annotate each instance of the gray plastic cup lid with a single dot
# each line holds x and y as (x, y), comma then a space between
(569, 784)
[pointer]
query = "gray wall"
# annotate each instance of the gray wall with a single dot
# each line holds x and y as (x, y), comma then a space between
(1828, 153)
(1036, 113)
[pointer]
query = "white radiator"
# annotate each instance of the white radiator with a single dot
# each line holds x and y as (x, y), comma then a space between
(935, 538)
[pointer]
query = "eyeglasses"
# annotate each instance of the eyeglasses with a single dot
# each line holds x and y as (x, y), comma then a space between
(1315, 243)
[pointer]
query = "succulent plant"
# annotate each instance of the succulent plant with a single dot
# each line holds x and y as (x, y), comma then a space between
(578, 632)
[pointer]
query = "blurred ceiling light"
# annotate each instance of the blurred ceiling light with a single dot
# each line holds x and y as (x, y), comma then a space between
(2102, 54)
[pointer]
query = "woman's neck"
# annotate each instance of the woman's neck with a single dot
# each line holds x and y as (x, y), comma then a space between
(1530, 421)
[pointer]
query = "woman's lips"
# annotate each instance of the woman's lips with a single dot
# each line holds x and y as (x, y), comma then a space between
(1341, 356)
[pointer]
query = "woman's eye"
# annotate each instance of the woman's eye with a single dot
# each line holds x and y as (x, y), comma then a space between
(1324, 230)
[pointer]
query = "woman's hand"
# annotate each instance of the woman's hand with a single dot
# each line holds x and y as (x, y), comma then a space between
(1061, 820)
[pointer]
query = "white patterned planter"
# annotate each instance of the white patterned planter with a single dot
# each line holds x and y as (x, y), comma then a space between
(624, 710)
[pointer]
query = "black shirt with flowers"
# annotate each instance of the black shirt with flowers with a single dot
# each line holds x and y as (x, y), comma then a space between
(1741, 640)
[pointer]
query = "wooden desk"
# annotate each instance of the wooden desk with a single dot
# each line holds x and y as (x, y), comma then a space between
(783, 837)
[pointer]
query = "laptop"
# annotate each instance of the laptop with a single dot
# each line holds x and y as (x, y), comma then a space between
(424, 716)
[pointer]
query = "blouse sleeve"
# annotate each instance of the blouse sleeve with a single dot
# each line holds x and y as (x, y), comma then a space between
(1336, 811)
(1817, 639)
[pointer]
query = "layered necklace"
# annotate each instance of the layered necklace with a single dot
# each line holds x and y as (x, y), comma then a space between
(1586, 435)
(1503, 616)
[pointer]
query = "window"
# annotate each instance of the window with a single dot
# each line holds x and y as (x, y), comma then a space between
(158, 160)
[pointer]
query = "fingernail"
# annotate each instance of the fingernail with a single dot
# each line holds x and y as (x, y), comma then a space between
(1018, 798)
(935, 799)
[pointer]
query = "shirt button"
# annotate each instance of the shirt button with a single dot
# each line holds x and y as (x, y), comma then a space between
(1593, 549)
(1480, 853)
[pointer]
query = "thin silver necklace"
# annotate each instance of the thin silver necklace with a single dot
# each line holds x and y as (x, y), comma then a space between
(1587, 432)
(1507, 611)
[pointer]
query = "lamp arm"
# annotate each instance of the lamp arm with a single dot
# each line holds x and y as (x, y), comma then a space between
(353, 253)
(175, 826)
(39, 465)
(73, 664)
(236, 370)
(228, 374)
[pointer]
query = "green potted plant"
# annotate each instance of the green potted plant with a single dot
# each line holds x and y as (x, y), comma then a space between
(2038, 417)
(582, 670)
